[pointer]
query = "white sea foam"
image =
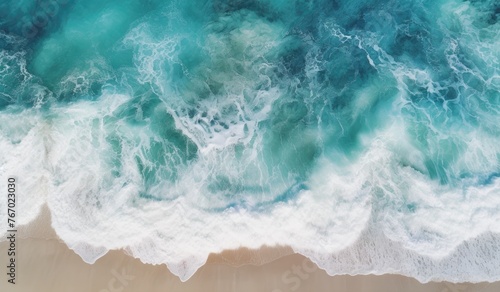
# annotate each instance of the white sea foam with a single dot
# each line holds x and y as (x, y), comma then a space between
(350, 220)
(219, 119)
(23, 157)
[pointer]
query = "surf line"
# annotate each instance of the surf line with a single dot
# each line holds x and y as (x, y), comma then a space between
(11, 230)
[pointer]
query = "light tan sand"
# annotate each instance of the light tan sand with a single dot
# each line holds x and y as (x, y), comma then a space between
(49, 265)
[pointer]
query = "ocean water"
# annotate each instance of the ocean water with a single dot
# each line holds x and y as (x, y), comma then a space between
(364, 134)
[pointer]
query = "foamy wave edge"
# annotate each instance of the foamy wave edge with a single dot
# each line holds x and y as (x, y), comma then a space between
(474, 260)
(373, 216)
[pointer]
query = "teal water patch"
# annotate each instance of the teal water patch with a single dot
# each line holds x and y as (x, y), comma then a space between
(271, 87)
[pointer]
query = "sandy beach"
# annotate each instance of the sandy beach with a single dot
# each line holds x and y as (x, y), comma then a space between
(46, 264)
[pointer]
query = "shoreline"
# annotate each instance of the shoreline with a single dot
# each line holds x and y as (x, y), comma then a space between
(49, 265)
(45, 263)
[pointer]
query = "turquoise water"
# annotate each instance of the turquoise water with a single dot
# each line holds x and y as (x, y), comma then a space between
(293, 122)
